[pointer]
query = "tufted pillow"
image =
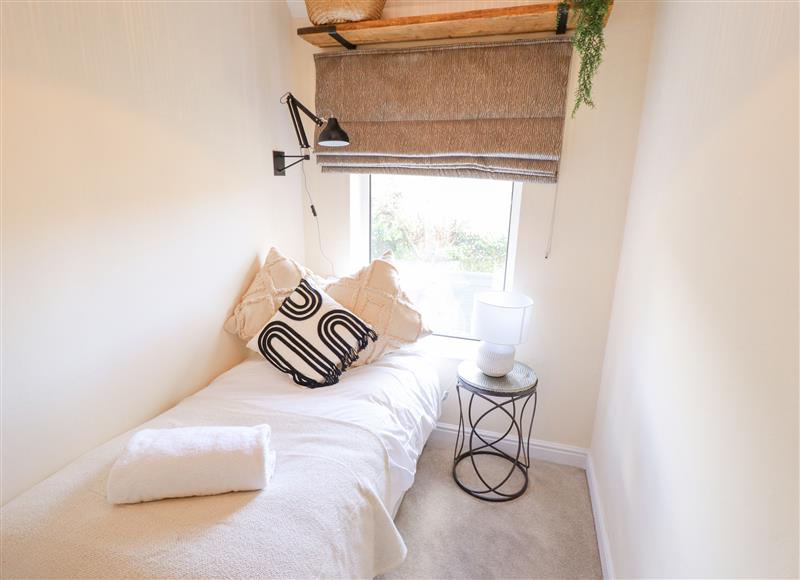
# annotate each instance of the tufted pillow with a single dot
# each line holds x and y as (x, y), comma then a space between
(374, 295)
(276, 279)
(312, 337)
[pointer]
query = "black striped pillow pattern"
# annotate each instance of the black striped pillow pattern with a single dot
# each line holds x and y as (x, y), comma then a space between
(312, 337)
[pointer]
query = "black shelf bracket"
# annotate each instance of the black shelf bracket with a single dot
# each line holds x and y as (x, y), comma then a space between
(561, 18)
(331, 31)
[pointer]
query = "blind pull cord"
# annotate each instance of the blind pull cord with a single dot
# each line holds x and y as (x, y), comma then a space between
(549, 247)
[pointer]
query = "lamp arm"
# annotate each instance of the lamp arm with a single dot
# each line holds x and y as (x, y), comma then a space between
(298, 125)
(295, 107)
(320, 122)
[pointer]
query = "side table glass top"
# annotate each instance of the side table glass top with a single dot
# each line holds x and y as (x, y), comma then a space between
(519, 380)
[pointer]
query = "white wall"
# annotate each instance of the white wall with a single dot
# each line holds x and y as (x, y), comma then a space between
(573, 289)
(137, 196)
(696, 438)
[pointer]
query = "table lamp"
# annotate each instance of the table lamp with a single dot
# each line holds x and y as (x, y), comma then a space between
(500, 321)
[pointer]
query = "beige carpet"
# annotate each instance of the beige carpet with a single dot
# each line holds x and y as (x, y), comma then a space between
(546, 533)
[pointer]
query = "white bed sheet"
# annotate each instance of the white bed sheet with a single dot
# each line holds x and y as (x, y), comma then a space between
(398, 398)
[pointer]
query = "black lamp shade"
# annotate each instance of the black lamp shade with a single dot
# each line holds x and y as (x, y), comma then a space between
(333, 135)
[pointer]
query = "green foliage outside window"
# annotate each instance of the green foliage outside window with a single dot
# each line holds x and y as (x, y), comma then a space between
(409, 239)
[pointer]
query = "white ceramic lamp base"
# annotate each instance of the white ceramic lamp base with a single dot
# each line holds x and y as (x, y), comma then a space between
(495, 360)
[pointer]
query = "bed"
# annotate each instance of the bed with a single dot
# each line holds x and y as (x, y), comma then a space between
(346, 455)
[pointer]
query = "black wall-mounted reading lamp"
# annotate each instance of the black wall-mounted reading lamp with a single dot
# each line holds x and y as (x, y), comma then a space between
(331, 136)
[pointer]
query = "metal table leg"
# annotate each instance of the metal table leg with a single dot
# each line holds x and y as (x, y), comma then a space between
(520, 461)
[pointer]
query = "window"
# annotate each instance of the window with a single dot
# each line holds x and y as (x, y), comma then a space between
(451, 238)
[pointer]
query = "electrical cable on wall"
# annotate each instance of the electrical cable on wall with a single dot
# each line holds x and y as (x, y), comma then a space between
(316, 218)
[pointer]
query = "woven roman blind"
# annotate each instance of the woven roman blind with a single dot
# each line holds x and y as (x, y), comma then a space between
(480, 110)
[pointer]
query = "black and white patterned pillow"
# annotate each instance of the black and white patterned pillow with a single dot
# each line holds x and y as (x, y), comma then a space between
(312, 337)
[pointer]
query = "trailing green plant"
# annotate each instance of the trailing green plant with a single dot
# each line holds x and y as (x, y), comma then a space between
(589, 42)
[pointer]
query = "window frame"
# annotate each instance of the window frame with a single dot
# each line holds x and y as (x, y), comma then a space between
(361, 231)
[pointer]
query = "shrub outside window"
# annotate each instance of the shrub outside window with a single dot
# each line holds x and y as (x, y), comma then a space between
(450, 238)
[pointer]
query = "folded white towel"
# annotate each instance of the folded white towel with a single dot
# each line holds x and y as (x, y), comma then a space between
(187, 461)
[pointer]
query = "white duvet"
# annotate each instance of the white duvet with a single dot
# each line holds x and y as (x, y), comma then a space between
(346, 454)
(397, 398)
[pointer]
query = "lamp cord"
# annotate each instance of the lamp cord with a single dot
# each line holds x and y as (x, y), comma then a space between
(316, 218)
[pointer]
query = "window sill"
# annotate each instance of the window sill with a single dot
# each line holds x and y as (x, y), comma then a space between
(447, 347)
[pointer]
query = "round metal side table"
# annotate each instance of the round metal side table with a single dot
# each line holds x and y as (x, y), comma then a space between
(506, 395)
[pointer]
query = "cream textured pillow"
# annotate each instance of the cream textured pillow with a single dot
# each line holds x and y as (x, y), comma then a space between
(276, 279)
(374, 295)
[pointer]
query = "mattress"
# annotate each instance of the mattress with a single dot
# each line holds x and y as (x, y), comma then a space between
(346, 454)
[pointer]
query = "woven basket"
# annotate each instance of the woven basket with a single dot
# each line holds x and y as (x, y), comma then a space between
(335, 11)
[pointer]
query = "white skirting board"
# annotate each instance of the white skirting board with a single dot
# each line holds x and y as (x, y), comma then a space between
(599, 521)
(445, 433)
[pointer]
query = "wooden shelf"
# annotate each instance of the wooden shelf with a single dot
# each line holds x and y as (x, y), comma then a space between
(516, 20)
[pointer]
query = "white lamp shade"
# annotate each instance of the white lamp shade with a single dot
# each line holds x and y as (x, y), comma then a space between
(501, 317)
